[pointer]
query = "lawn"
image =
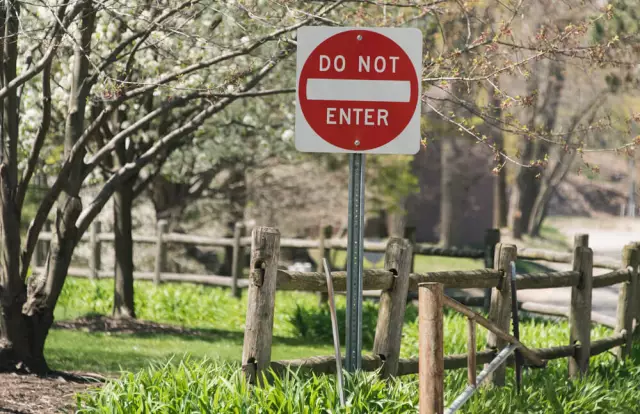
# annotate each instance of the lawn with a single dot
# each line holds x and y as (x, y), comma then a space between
(198, 371)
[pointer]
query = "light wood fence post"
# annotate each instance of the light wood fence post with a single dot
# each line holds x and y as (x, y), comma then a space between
(393, 303)
(500, 311)
(431, 351)
(627, 299)
(161, 252)
(323, 297)
(636, 292)
(261, 297)
(410, 235)
(95, 259)
(236, 257)
(43, 246)
(581, 240)
(491, 240)
(39, 257)
(580, 312)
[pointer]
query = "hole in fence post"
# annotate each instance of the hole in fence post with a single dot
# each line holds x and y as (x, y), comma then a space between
(257, 275)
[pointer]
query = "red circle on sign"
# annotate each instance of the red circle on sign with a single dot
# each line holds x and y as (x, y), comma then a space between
(358, 116)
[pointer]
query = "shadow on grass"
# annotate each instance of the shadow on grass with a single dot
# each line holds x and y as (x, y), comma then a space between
(135, 328)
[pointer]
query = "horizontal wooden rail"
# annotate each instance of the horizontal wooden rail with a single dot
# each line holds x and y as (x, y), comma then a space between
(429, 250)
(409, 366)
(611, 278)
(547, 280)
(482, 321)
(526, 253)
(208, 280)
(338, 244)
(373, 279)
(602, 345)
(481, 278)
(379, 279)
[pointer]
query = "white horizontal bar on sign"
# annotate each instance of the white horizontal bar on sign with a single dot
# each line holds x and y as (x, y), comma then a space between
(358, 90)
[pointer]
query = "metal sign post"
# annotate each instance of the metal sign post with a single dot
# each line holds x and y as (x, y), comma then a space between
(354, 263)
(357, 91)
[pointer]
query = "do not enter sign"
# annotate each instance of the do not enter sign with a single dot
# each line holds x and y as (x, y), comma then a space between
(358, 90)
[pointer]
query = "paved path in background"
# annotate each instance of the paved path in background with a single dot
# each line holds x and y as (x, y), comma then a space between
(604, 243)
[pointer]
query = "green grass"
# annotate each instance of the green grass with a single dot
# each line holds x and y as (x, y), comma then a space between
(113, 353)
(171, 373)
(214, 387)
(210, 385)
(422, 263)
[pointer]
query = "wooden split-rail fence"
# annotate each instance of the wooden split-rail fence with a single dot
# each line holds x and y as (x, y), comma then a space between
(395, 282)
(237, 244)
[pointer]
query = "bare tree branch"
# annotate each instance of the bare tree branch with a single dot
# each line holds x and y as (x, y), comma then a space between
(43, 129)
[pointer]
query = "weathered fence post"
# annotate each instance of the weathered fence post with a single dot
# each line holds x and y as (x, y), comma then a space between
(580, 311)
(491, 239)
(500, 311)
(261, 297)
(95, 246)
(627, 299)
(393, 302)
(431, 352)
(323, 297)
(42, 247)
(410, 235)
(236, 257)
(581, 240)
(636, 292)
(161, 252)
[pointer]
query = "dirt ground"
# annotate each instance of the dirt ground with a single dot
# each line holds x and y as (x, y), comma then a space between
(30, 394)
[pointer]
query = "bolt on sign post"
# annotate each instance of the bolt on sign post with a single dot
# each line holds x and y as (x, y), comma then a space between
(358, 92)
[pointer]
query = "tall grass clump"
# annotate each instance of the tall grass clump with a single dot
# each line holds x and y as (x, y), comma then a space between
(192, 386)
(217, 387)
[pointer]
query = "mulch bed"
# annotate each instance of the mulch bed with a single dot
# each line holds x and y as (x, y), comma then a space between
(30, 394)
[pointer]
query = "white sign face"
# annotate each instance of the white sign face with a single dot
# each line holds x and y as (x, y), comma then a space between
(358, 90)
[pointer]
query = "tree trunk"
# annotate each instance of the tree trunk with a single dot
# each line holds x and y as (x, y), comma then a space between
(123, 302)
(523, 197)
(450, 197)
(14, 339)
(500, 203)
(43, 290)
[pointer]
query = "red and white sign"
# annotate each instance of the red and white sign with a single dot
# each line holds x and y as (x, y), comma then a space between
(358, 90)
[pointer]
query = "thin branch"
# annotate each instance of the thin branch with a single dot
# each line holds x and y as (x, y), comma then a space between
(43, 129)
(57, 39)
(126, 171)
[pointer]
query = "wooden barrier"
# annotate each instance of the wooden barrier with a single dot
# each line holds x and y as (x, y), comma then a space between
(236, 257)
(626, 298)
(499, 312)
(580, 312)
(161, 251)
(431, 348)
(393, 302)
(481, 278)
(96, 250)
(261, 297)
